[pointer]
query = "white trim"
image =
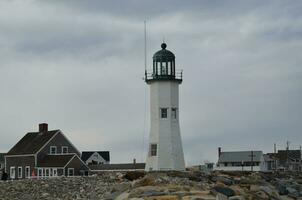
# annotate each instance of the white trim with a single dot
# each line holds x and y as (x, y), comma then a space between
(76, 155)
(50, 150)
(24, 155)
(20, 174)
(79, 153)
(10, 172)
(51, 167)
(69, 160)
(62, 147)
(47, 169)
(48, 142)
(36, 160)
(38, 175)
(29, 175)
(54, 170)
(72, 171)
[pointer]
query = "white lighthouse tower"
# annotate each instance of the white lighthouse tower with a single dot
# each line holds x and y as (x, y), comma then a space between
(165, 147)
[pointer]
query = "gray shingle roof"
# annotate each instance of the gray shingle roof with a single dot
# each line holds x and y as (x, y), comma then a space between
(239, 156)
(31, 143)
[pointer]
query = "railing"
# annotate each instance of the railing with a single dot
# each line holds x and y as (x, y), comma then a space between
(149, 75)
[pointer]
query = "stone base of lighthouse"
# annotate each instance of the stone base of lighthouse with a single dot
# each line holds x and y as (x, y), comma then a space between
(165, 150)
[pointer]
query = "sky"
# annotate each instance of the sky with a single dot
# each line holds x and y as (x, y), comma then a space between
(79, 66)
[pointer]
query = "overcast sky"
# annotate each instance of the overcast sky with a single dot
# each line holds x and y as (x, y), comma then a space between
(78, 65)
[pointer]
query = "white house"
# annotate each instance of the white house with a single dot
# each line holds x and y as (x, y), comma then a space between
(240, 161)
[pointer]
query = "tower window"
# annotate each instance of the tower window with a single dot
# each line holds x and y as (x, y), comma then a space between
(164, 69)
(153, 149)
(174, 113)
(164, 112)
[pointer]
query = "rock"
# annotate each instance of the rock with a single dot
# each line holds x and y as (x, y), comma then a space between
(121, 187)
(282, 190)
(147, 180)
(166, 197)
(123, 196)
(225, 180)
(133, 175)
(199, 197)
(236, 198)
(261, 195)
(224, 190)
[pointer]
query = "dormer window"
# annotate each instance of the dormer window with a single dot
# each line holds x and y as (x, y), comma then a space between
(53, 150)
(64, 149)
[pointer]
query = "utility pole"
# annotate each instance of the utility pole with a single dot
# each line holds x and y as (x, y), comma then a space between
(287, 155)
(252, 160)
(275, 157)
(300, 168)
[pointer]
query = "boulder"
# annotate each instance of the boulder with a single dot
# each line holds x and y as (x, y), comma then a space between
(223, 190)
(133, 175)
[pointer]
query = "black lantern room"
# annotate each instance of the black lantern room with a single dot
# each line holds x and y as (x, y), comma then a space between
(163, 66)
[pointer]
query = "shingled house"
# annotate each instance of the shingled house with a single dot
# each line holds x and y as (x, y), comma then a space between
(2, 164)
(44, 154)
(285, 160)
(96, 157)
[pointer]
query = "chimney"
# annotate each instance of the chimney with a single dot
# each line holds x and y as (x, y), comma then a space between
(43, 127)
(134, 161)
(219, 151)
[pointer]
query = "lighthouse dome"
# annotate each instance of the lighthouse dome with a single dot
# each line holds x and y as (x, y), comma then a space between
(163, 54)
(163, 67)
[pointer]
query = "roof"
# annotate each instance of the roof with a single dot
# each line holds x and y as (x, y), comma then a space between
(55, 160)
(124, 166)
(239, 156)
(2, 157)
(290, 154)
(86, 155)
(163, 54)
(32, 142)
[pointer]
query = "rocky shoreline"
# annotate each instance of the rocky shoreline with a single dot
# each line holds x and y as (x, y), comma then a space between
(159, 186)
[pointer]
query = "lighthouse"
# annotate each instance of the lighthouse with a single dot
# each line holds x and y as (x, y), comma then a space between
(165, 147)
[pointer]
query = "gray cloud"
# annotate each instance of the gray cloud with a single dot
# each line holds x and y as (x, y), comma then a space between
(79, 65)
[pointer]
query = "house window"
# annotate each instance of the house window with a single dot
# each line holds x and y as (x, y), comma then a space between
(12, 172)
(153, 149)
(164, 112)
(53, 150)
(70, 171)
(40, 172)
(27, 171)
(47, 172)
(64, 149)
(174, 113)
(19, 172)
(55, 172)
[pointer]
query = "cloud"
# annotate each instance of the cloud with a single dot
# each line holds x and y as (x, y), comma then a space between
(79, 65)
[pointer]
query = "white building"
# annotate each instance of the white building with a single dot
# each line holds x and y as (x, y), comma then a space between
(240, 161)
(165, 146)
